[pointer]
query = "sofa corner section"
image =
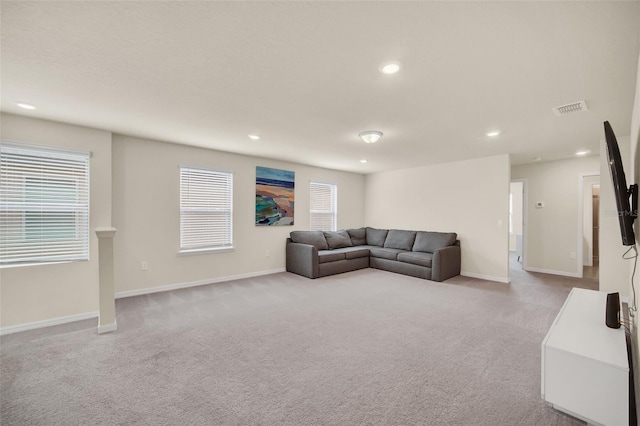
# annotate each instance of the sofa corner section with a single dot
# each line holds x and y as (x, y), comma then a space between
(444, 262)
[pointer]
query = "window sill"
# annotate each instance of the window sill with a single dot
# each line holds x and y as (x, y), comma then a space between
(206, 251)
(18, 265)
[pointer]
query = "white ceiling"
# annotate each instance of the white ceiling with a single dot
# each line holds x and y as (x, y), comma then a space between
(304, 75)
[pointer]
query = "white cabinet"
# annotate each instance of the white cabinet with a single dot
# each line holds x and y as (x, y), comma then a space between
(585, 370)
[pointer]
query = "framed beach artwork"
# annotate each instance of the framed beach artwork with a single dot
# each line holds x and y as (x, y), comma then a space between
(274, 196)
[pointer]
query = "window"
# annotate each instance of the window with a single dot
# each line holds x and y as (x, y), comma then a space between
(323, 206)
(206, 214)
(44, 205)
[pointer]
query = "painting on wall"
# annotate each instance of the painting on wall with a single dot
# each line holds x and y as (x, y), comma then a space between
(274, 196)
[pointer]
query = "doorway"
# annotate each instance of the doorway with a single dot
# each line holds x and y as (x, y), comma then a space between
(517, 227)
(591, 227)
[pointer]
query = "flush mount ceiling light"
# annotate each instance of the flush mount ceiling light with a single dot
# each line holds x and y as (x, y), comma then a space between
(364, 160)
(370, 136)
(583, 153)
(254, 137)
(493, 134)
(389, 68)
(25, 106)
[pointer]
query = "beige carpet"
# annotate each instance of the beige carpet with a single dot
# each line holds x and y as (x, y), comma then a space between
(362, 348)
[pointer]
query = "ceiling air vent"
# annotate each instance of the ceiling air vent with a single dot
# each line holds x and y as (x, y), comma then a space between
(570, 108)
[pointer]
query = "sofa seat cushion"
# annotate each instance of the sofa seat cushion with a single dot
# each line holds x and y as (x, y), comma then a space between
(416, 258)
(399, 239)
(337, 239)
(325, 256)
(432, 241)
(313, 238)
(353, 252)
(385, 253)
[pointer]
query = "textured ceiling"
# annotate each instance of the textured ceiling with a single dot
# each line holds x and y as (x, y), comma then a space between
(304, 75)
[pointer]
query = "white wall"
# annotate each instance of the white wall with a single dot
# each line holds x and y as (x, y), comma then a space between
(38, 293)
(552, 231)
(468, 197)
(146, 214)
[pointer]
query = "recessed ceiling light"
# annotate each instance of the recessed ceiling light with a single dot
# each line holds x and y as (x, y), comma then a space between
(536, 158)
(254, 137)
(583, 153)
(493, 134)
(25, 106)
(370, 136)
(364, 160)
(390, 68)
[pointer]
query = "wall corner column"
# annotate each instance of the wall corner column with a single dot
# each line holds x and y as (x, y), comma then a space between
(107, 317)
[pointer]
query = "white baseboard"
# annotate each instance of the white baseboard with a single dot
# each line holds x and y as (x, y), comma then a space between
(169, 287)
(107, 328)
(552, 272)
(47, 323)
(485, 277)
(113, 327)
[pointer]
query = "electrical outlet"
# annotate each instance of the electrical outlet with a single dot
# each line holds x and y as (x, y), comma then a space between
(144, 265)
(573, 255)
(267, 253)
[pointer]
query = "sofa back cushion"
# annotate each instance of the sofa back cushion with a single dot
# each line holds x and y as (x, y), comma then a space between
(358, 236)
(376, 237)
(431, 241)
(398, 239)
(337, 239)
(314, 238)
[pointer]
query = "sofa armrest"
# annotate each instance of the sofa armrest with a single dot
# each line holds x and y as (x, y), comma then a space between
(302, 259)
(445, 263)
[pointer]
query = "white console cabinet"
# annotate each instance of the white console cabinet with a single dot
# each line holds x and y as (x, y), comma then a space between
(585, 370)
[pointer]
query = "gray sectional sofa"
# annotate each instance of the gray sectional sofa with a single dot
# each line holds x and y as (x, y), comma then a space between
(430, 255)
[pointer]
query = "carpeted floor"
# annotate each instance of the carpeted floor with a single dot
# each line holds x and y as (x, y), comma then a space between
(362, 348)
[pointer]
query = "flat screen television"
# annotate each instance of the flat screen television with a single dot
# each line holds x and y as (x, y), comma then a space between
(627, 211)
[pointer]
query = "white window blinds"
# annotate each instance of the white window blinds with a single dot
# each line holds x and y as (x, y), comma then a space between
(44, 205)
(206, 214)
(323, 206)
